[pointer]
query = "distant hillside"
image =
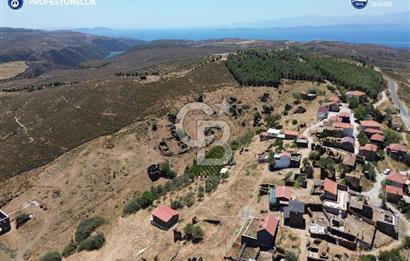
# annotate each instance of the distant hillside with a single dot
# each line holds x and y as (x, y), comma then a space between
(60, 48)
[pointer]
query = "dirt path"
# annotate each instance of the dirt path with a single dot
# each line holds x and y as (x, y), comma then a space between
(31, 139)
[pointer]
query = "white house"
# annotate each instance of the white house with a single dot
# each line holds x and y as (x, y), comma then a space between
(273, 133)
(282, 160)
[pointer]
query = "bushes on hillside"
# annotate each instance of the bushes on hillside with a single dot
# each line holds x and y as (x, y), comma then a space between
(94, 242)
(86, 227)
(51, 256)
(69, 249)
(194, 233)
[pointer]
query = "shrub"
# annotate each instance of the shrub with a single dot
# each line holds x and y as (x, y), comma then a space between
(391, 136)
(368, 258)
(69, 249)
(131, 207)
(290, 256)
(392, 255)
(294, 121)
(166, 170)
(176, 204)
(51, 256)
(194, 233)
(362, 138)
(94, 242)
(86, 227)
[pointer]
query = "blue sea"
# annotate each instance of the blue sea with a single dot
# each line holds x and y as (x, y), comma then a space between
(392, 36)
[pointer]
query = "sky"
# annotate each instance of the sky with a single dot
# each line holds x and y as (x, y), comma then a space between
(180, 13)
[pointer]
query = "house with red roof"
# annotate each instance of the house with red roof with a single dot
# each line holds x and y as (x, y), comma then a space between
(260, 232)
(397, 151)
(330, 189)
(347, 128)
(394, 194)
(347, 144)
(369, 151)
(282, 160)
(398, 180)
(164, 217)
(322, 113)
(370, 124)
(290, 135)
(355, 94)
(283, 193)
(345, 116)
(349, 162)
(334, 98)
(370, 131)
(333, 106)
(378, 139)
(266, 231)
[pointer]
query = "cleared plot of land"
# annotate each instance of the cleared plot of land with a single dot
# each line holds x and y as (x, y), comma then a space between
(12, 69)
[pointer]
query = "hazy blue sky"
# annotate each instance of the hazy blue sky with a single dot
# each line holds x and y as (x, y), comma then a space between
(180, 13)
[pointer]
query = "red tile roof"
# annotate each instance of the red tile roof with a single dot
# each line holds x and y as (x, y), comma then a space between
(348, 139)
(342, 125)
(394, 190)
(164, 213)
(373, 131)
(290, 133)
(330, 186)
(333, 98)
(377, 137)
(269, 223)
(397, 178)
(349, 160)
(369, 147)
(324, 109)
(344, 114)
(335, 118)
(397, 147)
(370, 124)
(283, 192)
(285, 154)
(356, 93)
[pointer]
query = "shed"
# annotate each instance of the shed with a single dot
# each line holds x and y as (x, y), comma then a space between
(164, 217)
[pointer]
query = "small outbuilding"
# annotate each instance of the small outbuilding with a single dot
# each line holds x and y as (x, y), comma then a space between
(164, 217)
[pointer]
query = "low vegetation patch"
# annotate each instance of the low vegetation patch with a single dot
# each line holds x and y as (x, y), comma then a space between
(69, 249)
(51, 256)
(193, 233)
(94, 242)
(86, 227)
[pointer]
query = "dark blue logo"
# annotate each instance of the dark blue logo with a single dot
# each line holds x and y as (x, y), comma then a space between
(359, 4)
(15, 4)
